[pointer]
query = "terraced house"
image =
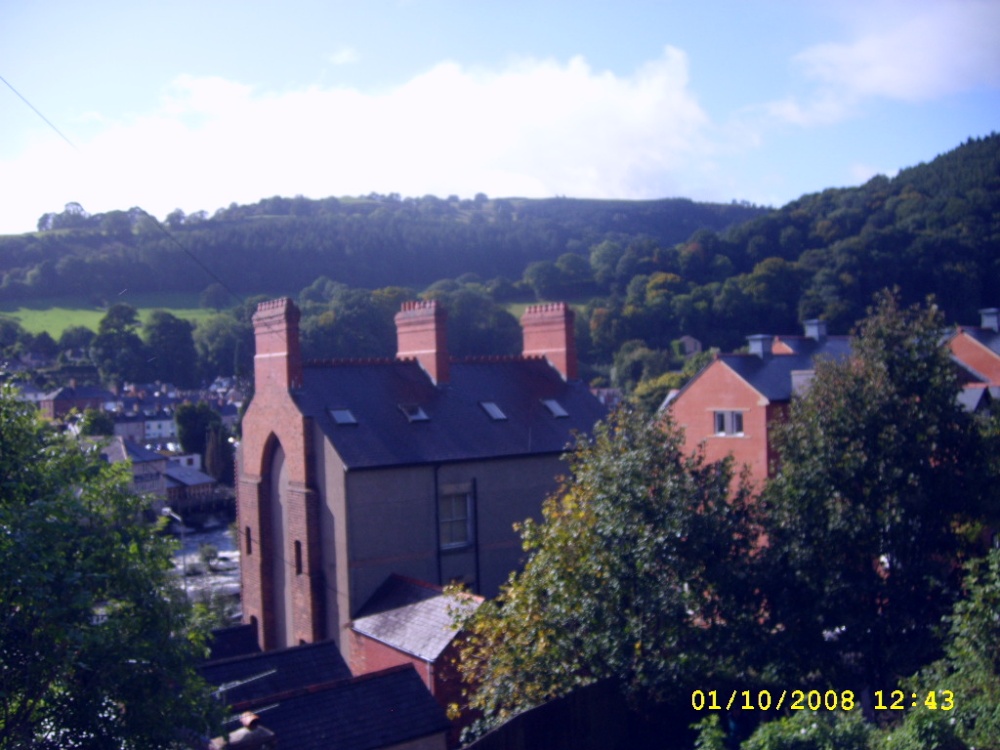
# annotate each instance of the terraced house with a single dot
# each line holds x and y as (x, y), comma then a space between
(419, 466)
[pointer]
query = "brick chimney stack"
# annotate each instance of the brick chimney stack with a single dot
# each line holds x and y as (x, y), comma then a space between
(278, 360)
(421, 332)
(548, 332)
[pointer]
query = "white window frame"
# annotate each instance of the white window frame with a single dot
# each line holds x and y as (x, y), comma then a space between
(455, 518)
(727, 423)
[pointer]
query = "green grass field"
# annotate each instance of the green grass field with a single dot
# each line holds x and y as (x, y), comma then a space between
(58, 313)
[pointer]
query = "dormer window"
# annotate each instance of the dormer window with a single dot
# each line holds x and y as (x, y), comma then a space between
(555, 408)
(343, 416)
(495, 412)
(414, 412)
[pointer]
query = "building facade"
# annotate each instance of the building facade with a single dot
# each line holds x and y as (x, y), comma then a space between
(352, 471)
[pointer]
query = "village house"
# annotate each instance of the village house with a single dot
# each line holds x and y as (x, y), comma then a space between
(731, 405)
(351, 472)
(978, 349)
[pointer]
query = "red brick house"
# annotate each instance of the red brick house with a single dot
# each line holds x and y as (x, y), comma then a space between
(978, 349)
(352, 471)
(410, 622)
(730, 406)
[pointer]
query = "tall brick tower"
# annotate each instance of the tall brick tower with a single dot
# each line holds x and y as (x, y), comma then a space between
(277, 504)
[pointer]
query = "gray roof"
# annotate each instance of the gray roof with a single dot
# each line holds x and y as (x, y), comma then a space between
(186, 475)
(974, 398)
(457, 426)
(377, 710)
(772, 376)
(120, 449)
(411, 616)
(269, 673)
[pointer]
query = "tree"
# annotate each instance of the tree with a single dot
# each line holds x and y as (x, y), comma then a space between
(219, 459)
(640, 571)
(878, 464)
(97, 422)
(171, 347)
(117, 351)
(971, 666)
(193, 424)
(95, 644)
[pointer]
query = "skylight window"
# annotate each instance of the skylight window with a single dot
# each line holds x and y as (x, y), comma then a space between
(495, 412)
(343, 416)
(555, 408)
(414, 412)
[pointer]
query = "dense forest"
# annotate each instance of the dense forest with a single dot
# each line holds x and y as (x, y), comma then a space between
(641, 274)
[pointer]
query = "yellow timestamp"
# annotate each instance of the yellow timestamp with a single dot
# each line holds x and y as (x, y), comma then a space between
(818, 700)
(899, 700)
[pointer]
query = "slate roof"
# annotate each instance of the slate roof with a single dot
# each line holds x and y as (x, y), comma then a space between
(830, 346)
(121, 449)
(186, 475)
(376, 710)
(457, 426)
(411, 616)
(237, 640)
(79, 393)
(974, 398)
(269, 673)
(772, 376)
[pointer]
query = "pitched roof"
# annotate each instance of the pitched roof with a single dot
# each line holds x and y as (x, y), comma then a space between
(457, 425)
(377, 710)
(257, 675)
(236, 640)
(186, 475)
(985, 336)
(411, 616)
(772, 376)
(120, 449)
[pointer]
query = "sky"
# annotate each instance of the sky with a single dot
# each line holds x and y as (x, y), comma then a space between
(197, 105)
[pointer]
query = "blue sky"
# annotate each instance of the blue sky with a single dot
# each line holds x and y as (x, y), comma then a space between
(196, 105)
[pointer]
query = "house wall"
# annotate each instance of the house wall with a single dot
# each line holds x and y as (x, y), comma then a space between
(393, 525)
(975, 355)
(369, 655)
(718, 388)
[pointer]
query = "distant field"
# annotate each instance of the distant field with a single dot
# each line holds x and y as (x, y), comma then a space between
(58, 313)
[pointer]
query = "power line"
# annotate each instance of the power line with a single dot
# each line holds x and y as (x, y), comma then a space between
(33, 109)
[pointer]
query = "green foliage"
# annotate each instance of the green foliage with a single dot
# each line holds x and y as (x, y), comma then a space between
(194, 422)
(117, 351)
(171, 349)
(815, 730)
(96, 649)
(640, 571)
(971, 666)
(878, 463)
(97, 422)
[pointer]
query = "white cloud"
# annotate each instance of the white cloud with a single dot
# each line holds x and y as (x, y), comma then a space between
(534, 128)
(914, 51)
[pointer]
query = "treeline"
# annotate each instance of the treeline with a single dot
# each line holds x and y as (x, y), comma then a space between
(643, 274)
(286, 243)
